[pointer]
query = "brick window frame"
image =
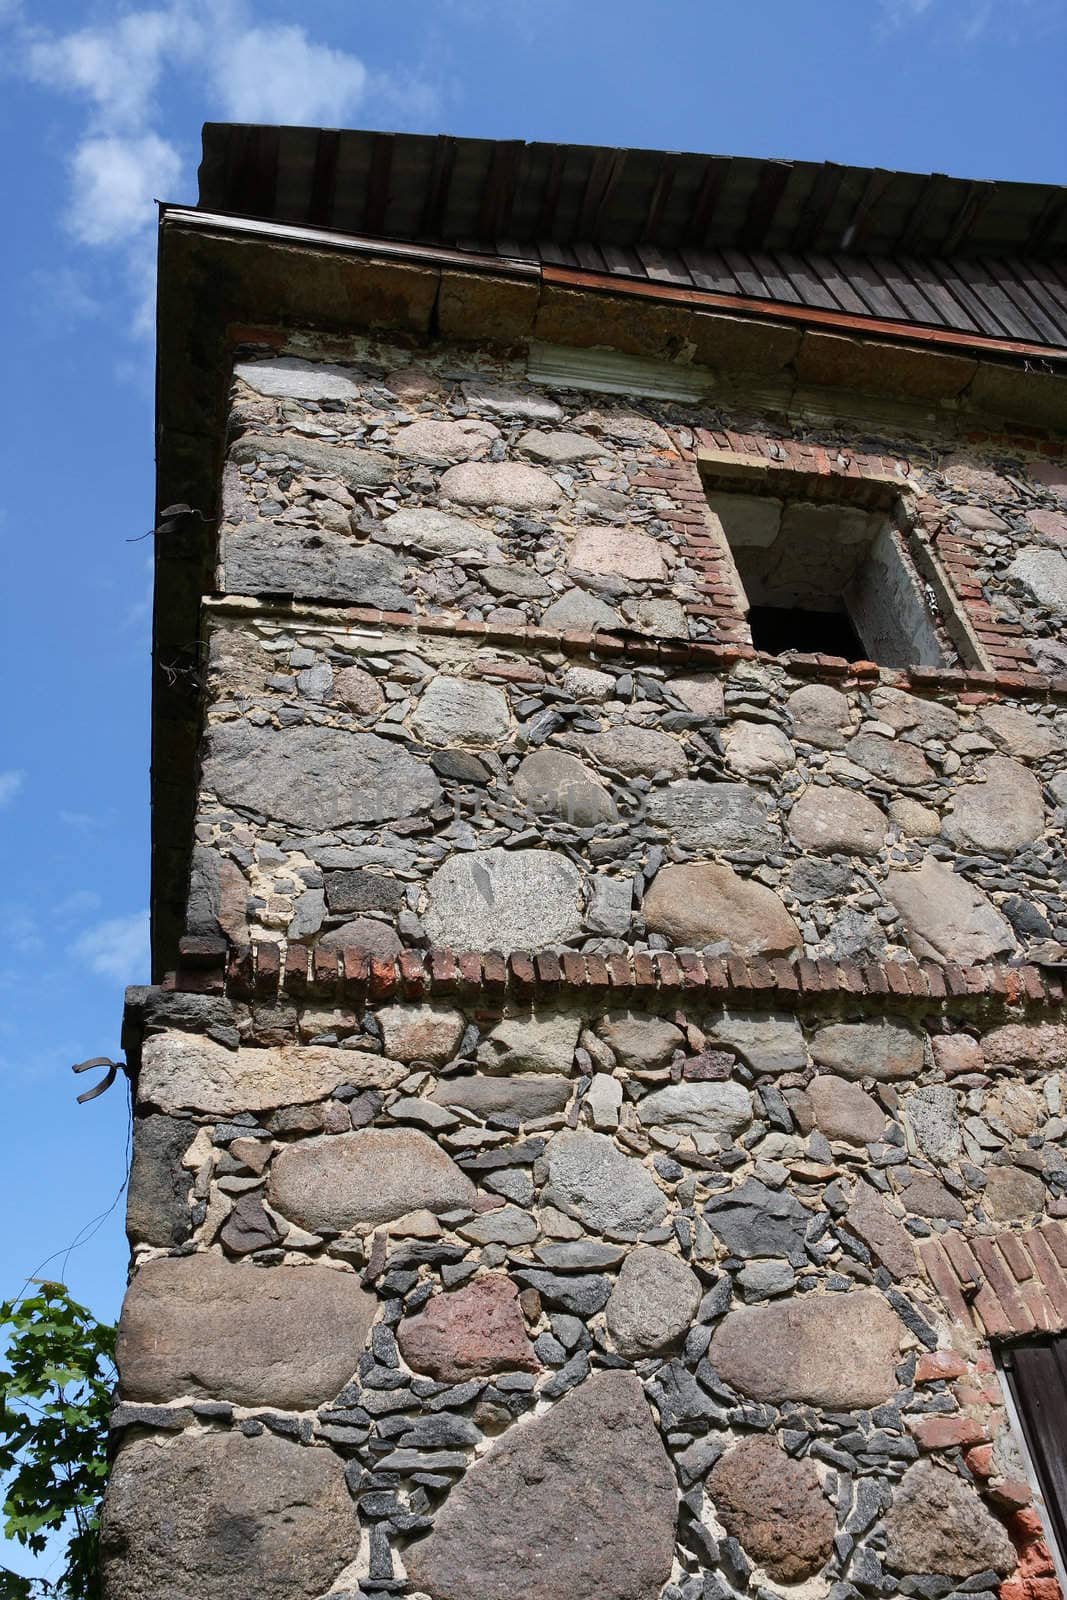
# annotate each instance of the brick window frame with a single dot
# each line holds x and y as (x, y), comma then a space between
(736, 462)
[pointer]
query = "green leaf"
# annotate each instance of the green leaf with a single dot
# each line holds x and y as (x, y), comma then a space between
(55, 1400)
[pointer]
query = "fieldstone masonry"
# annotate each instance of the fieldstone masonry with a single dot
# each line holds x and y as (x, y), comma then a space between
(599, 1052)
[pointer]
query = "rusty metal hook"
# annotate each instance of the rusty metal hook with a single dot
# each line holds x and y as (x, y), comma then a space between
(105, 1082)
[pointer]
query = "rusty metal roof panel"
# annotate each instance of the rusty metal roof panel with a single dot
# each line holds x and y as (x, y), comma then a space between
(906, 247)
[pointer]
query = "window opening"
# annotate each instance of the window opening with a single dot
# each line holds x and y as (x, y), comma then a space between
(1035, 1373)
(829, 633)
(833, 579)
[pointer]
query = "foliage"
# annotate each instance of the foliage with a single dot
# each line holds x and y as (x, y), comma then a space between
(55, 1399)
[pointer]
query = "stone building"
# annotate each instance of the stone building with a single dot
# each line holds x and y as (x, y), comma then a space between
(600, 1112)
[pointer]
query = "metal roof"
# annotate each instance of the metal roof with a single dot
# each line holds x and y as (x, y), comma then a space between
(979, 257)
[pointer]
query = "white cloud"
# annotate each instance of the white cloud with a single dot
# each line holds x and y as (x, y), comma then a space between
(118, 67)
(77, 904)
(123, 70)
(278, 75)
(116, 948)
(115, 179)
(10, 784)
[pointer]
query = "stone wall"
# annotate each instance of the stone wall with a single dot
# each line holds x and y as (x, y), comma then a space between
(466, 1285)
(534, 1285)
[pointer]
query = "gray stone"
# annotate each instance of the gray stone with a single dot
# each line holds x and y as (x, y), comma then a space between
(873, 1224)
(249, 1226)
(610, 908)
(746, 521)
(577, 609)
(559, 449)
(603, 1101)
(218, 895)
(579, 1296)
(925, 1196)
(828, 818)
(354, 889)
(422, 1113)
(533, 1095)
(500, 483)
(907, 713)
(607, 1191)
(820, 716)
(947, 918)
(775, 1507)
(187, 1072)
(221, 1513)
(637, 751)
(652, 1304)
(938, 1523)
(641, 1042)
(1042, 574)
(316, 777)
(429, 439)
(585, 683)
(421, 1032)
(440, 534)
(292, 379)
(629, 427)
(618, 553)
(287, 1336)
(581, 1255)
(889, 759)
(701, 692)
(268, 558)
(347, 1180)
(504, 400)
(522, 1520)
(720, 1109)
(703, 902)
(504, 900)
(460, 711)
(765, 1278)
(767, 1042)
(758, 749)
(664, 619)
(879, 1050)
(1000, 814)
(1012, 1195)
(839, 1351)
(813, 880)
(356, 468)
(309, 909)
(157, 1200)
(508, 1225)
(516, 582)
(855, 936)
(554, 783)
(1019, 733)
(363, 933)
(842, 1110)
(713, 816)
(753, 1220)
(931, 1117)
(531, 1044)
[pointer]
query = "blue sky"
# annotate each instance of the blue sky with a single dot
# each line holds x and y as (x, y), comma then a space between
(101, 107)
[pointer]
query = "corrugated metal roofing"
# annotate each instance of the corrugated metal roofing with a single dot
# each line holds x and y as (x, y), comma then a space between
(980, 258)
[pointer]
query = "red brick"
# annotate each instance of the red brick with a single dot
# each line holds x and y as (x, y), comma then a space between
(943, 1433)
(939, 1364)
